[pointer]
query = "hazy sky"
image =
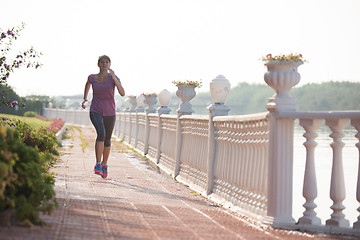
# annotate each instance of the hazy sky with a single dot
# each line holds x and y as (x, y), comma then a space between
(153, 42)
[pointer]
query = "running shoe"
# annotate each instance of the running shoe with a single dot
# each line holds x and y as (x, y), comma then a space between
(104, 171)
(98, 168)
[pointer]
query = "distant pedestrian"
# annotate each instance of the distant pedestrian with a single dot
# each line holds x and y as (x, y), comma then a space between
(102, 110)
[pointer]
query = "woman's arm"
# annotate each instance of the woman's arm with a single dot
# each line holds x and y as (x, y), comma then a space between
(86, 91)
(117, 83)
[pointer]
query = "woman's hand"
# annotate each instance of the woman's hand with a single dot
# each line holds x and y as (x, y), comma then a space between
(113, 76)
(83, 104)
(112, 73)
(117, 82)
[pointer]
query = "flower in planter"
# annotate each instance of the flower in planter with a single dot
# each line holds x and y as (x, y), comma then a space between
(149, 94)
(188, 82)
(284, 58)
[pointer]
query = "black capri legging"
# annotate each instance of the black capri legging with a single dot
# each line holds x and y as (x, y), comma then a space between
(104, 126)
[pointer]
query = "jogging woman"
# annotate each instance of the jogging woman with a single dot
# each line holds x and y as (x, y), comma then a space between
(102, 110)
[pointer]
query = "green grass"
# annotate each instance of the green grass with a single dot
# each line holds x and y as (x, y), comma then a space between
(34, 122)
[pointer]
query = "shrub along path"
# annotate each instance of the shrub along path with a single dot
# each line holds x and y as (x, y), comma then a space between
(134, 202)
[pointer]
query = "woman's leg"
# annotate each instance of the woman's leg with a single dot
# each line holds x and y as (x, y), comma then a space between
(106, 154)
(109, 123)
(99, 150)
(97, 121)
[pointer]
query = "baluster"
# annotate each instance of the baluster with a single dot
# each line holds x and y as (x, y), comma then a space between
(310, 185)
(128, 127)
(136, 128)
(337, 188)
(356, 124)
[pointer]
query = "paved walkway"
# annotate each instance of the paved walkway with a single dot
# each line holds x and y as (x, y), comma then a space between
(134, 202)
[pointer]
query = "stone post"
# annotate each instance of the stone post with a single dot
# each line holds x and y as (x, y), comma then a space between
(150, 101)
(281, 76)
(132, 101)
(164, 100)
(140, 108)
(219, 89)
(185, 92)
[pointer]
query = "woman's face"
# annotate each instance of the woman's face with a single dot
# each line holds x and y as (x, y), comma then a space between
(104, 64)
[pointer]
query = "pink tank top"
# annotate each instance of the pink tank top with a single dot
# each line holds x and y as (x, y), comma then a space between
(103, 96)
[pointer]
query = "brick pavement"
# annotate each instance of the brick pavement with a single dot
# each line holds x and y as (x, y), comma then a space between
(134, 202)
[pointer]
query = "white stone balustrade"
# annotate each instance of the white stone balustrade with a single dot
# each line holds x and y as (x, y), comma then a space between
(336, 121)
(244, 161)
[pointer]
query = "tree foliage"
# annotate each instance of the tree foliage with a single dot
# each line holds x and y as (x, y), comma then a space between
(248, 98)
(10, 62)
(328, 96)
(32, 103)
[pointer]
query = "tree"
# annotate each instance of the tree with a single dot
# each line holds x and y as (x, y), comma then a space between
(8, 63)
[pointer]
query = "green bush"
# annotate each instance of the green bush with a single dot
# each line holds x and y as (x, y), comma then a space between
(7, 161)
(25, 184)
(41, 139)
(29, 114)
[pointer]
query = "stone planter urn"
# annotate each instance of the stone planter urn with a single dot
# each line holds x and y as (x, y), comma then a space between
(133, 103)
(185, 92)
(140, 103)
(282, 76)
(127, 104)
(164, 100)
(150, 101)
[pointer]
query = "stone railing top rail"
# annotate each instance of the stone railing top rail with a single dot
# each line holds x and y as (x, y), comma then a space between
(320, 115)
(199, 117)
(169, 116)
(239, 118)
